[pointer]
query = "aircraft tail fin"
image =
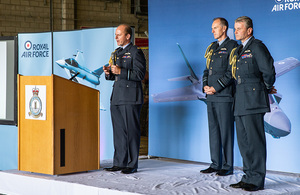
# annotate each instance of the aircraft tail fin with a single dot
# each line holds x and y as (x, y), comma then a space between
(99, 71)
(188, 64)
(80, 59)
(230, 33)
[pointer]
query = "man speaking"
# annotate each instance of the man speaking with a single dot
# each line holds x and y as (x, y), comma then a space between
(127, 68)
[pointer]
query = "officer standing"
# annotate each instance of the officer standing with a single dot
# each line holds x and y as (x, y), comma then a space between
(219, 89)
(127, 68)
(253, 70)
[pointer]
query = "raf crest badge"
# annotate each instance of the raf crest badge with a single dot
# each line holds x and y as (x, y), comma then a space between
(35, 104)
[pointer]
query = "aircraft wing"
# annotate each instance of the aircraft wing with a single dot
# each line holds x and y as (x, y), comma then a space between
(183, 78)
(186, 78)
(286, 65)
(190, 92)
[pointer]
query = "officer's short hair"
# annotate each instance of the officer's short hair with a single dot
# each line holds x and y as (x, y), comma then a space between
(127, 29)
(223, 21)
(248, 21)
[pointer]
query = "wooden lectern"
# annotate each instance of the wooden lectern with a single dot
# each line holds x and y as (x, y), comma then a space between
(67, 140)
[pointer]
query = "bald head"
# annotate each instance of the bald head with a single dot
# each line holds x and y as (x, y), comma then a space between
(123, 34)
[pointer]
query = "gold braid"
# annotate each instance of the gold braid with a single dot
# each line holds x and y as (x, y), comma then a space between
(208, 54)
(232, 62)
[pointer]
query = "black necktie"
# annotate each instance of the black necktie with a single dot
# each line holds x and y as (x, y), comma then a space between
(240, 49)
(119, 50)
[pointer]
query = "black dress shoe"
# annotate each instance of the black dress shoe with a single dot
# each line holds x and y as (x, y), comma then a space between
(251, 187)
(129, 170)
(224, 172)
(209, 170)
(114, 168)
(238, 185)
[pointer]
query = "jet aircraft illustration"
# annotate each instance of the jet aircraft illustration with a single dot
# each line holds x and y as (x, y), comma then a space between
(76, 66)
(77, 71)
(276, 122)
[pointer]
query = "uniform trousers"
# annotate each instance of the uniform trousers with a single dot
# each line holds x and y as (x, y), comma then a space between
(221, 134)
(126, 132)
(252, 144)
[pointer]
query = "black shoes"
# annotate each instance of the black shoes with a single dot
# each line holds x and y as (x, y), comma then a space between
(238, 185)
(221, 172)
(251, 187)
(224, 172)
(246, 186)
(209, 170)
(129, 170)
(124, 170)
(114, 168)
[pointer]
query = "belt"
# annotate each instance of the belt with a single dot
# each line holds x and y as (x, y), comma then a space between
(247, 80)
(212, 72)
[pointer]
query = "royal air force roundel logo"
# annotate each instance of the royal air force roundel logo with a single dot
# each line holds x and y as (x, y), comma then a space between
(28, 45)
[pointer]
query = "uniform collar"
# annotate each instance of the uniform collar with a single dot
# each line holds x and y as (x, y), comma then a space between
(221, 42)
(121, 51)
(245, 45)
(126, 45)
(245, 42)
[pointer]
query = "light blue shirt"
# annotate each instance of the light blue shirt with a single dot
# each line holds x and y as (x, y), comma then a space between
(220, 43)
(126, 45)
(245, 43)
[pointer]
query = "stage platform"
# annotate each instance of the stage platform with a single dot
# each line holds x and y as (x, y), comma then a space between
(154, 176)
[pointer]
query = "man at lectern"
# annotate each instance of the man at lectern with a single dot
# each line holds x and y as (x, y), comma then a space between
(127, 68)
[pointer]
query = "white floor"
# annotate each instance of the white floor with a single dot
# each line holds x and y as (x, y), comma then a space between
(154, 176)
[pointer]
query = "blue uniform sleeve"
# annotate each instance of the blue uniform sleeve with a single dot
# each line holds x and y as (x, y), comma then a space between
(265, 64)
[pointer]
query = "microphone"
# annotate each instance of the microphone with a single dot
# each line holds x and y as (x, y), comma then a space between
(75, 75)
(113, 58)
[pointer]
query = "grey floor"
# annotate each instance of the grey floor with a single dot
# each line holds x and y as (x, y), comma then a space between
(167, 176)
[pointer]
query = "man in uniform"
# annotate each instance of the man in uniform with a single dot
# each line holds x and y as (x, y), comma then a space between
(127, 68)
(219, 89)
(252, 67)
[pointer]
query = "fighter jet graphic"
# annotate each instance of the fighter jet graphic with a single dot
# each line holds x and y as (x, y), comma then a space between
(77, 71)
(276, 122)
(76, 66)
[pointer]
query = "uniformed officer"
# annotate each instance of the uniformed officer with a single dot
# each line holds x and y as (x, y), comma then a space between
(127, 68)
(252, 67)
(219, 89)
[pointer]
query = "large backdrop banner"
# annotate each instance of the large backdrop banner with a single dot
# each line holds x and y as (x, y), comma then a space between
(180, 32)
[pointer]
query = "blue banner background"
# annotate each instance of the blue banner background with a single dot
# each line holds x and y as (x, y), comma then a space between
(179, 129)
